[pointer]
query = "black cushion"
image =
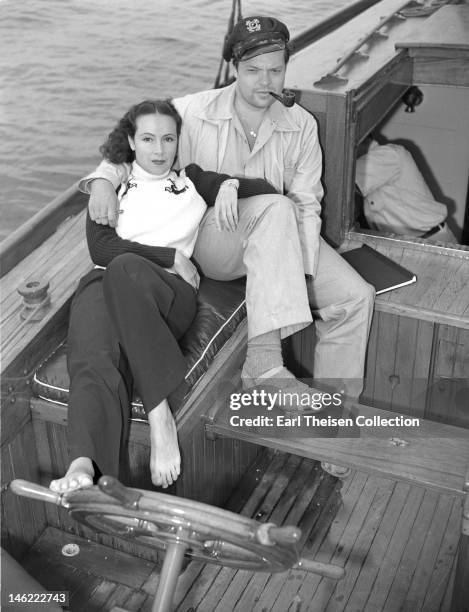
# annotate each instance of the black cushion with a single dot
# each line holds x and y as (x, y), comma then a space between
(221, 307)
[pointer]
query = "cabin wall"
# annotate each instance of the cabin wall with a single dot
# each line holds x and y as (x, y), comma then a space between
(437, 136)
(414, 367)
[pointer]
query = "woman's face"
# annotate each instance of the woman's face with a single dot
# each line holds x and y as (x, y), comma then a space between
(155, 143)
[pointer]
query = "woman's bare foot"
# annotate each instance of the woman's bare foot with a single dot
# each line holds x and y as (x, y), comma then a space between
(165, 459)
(79, 475)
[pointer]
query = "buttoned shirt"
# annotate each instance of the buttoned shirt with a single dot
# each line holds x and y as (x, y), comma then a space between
(396, 196)
(286, 153)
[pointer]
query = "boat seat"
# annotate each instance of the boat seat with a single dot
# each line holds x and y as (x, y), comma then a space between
(221, 307)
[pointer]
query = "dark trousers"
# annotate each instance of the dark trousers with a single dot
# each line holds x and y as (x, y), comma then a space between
(124, 326)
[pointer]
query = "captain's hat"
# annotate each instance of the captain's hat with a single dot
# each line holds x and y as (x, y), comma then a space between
(253, 36)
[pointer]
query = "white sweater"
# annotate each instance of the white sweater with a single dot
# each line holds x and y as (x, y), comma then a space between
(160, 210)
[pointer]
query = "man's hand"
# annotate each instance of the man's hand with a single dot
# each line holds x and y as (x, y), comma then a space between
(186, 269)
(226, 206)
(103, 204)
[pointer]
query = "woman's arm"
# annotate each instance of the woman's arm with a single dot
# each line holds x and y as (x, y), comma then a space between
(104, 244)
(208, 184)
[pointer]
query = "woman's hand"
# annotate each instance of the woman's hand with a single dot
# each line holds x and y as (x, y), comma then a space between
(186, 269)
(103, 204)
(226, 206)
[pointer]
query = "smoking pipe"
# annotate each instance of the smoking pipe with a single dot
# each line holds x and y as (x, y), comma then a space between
(287, 98)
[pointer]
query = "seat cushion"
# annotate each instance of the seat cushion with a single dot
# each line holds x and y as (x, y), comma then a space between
(221, 307)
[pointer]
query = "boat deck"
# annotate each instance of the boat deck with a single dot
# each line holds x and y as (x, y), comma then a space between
(396, 541)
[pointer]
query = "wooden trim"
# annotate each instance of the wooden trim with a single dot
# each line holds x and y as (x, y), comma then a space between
(433, 455)
(31, 234)
(416, 244)
(16, 412)
(423, 314)
(438, 71)
(227, 361)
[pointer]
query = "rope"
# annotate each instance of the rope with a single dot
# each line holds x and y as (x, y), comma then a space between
(226, 79)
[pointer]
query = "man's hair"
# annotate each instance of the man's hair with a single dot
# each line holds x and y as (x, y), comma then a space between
(286, 55)
(117, 149)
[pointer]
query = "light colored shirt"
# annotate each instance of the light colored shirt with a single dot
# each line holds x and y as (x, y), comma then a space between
(286, 153)
(161, 211)
(396, 196)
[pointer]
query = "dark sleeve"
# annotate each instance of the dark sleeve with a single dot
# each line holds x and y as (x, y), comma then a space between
(208, 183)
(104, 244)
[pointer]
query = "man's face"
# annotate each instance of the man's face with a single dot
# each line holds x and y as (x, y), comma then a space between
(259, 75)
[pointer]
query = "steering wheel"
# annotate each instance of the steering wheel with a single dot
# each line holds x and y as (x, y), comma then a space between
(181, 527)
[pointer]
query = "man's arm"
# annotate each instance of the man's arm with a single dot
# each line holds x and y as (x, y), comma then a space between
(101, 185)
(305, 189)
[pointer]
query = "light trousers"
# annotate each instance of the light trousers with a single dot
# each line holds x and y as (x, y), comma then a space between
(266, 248)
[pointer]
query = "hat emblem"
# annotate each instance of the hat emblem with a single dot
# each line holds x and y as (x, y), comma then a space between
(253, 25)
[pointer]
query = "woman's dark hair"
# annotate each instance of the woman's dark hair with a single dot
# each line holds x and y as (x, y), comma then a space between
(116, 149)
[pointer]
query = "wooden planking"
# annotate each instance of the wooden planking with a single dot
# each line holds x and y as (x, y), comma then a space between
(441, 293)
(460, 595)
(436, 455)
(46, 260)
(52, 462)
(397, 543)
(434, 537)
(398, 364)
(316, 493)
(62, 259)
(338, 547)
(205, 575)
(384, 367)
(273, 500)
(99, 578)
(63, 249)
(22, 519)
(274, 509)
(413, 353)
(361, 564)
(16, 246)
(443, 564)
(404, 518)
(414, 344)
(449, 386)
(402, 578)
(277, 591)
(115, 565)
(211, 468)
(15, 410)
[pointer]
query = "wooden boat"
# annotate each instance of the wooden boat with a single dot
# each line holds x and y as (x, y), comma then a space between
(399, 524)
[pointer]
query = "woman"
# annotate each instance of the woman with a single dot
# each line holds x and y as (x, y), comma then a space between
(130, 311)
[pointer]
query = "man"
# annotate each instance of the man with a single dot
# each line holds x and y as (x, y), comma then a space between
(396, 196)
(274, 240)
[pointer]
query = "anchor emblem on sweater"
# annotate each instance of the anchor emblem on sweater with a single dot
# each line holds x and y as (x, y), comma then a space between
(128, 186)
(174, 187)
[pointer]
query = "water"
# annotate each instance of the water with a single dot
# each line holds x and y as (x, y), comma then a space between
(70, 68)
